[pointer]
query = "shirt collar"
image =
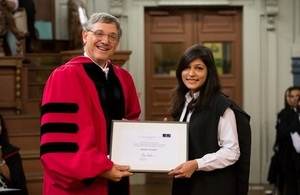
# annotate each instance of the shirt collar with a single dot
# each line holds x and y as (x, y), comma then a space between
(105, 69)
(189, 98)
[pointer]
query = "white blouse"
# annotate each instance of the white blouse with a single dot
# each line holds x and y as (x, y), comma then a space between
(229, 151)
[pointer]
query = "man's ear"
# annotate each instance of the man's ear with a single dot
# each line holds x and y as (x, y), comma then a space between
(84, 36)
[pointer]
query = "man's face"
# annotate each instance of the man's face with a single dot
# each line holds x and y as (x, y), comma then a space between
(293, 97)
(101, 42)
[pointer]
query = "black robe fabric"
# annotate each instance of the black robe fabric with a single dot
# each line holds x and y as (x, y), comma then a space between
(112, 101)
(288, 175)
(203, 131)
(11, 155)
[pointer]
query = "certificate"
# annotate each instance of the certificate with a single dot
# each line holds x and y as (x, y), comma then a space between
(8, 189)
(149, 146)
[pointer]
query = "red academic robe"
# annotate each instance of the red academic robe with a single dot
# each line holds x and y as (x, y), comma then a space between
(75, 168)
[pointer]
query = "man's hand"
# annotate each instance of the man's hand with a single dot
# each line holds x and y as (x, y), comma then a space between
(117, 172)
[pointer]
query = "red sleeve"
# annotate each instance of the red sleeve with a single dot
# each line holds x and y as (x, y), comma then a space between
(73, 129)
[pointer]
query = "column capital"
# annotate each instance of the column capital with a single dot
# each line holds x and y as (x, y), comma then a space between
(116, 7)
(271, 13)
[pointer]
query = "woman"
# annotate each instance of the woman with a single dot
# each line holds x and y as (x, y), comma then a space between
(11, 168)
(288, 174)
(213, 139)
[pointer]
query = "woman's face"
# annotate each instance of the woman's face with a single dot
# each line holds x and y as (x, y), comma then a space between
(194, 75)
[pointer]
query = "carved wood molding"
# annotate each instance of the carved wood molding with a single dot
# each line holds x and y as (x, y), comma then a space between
(10, 70)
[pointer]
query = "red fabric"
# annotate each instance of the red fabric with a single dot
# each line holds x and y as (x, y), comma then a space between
(64, 172)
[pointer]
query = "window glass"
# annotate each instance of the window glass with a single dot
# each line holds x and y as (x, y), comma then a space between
(222, 55)
(166, 58)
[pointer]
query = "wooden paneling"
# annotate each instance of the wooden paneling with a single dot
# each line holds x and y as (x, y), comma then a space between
(217, 23)
(167, 24)
(22, 139)
(35, 184)
(10, 85)
(44, 10)
(22, 124)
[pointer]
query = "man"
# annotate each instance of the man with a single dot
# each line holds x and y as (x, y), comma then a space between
(80, 100)
(293, 96)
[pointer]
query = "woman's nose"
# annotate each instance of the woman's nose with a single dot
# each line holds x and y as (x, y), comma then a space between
(192, 72)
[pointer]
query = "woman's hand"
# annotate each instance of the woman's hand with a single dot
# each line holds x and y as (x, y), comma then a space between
(185, 170)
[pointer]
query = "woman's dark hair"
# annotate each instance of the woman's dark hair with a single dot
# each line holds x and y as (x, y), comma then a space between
(286, 96)
(4, 134)
(207, 90)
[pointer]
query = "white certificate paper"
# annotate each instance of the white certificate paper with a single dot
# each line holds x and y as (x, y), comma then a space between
(8, 189)
(149, 146)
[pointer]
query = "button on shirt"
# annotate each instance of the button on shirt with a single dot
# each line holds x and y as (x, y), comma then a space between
(229, 151)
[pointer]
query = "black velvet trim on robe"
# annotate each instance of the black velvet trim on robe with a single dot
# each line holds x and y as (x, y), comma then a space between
(59, 128)
(112, 101)
(58, 147)
(59, 107)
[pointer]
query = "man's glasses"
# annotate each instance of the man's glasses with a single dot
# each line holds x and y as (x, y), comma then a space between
(112, 37)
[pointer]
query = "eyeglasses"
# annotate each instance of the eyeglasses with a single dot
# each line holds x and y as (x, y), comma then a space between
(112, 37)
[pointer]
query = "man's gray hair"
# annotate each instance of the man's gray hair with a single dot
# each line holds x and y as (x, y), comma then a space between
(102, 18)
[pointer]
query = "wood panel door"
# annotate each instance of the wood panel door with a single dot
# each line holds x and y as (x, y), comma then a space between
(220, 29)
(170, 31)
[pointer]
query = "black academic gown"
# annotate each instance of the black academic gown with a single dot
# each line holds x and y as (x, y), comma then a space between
(203, 131)
(11, 155)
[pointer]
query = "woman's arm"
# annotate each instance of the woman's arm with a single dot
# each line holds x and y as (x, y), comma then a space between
(229, 151)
